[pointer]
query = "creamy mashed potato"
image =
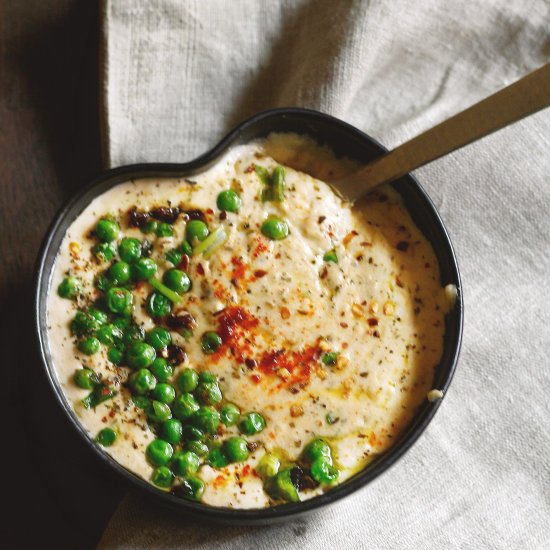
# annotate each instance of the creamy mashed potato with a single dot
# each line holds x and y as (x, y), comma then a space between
(279, 307)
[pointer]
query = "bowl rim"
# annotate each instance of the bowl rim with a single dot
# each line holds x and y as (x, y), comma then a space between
(224, 514)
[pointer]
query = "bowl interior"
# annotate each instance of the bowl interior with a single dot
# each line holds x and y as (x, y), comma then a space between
(344, 140)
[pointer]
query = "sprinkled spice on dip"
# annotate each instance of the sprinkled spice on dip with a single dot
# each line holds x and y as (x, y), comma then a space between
(245, 338)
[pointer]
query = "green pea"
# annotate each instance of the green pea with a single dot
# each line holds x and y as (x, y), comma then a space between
(174, 256)
(323, 471)
(106, 437)
(85, 378)
(172, 431)
(164, 230)
(283, 486)
(252, 423)
(210, 342)
(107, 230)
(115, 355)
(119, 300)
(100, 317)
(89, 346)
(206, 376)
(141, 402)
(162, 477)
(229, 414)
(165, 393)
(86, 322)
(329, 358)
(131, 332)
(268, 466)
(331, 256)
(159, 452)
(229, 201)
(149, 227)
(195, 231)
(208, 393)
(192, 488)
(185, 463)
(177, 280)
(275, 229)
(69, 288)
(158, 305)
(119, 273)
(144, 269)
(159, 338)
(188, 380)
(236, 449)
(186, 248)
(197, 447)
(104, 252)
(317, 448)
(184, 406)
(129, 250)
(191, 433)
(206, 419)
(161, 369)
(142, 381)
(158, 412)
(216, 458)
(102, 282)
(140, 355)
(108, 334)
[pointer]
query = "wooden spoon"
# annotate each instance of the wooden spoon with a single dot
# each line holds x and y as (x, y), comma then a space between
(522, 98)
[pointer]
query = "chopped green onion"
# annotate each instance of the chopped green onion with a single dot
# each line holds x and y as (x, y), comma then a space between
(331, 256)
(214, 241)
(164, 290)
(278, 185)
(98, 395)
(263, 174)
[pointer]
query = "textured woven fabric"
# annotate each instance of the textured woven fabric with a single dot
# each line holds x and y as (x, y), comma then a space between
(179, 75)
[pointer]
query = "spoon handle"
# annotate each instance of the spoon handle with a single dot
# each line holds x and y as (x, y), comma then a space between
(522, 98)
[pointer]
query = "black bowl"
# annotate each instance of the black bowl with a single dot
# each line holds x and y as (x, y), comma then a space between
(344, 140)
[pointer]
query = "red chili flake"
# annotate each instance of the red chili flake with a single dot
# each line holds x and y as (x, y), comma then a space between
(184, 263)
(402, 245)
(261, 247)
(260, 273)
(251, 363)
(239, 268)
(112, 414)
(223, 215)
(372, 321)
(398, 281)
(324, 273)
(365, 243)
(256, 378)
(105, 390)
(344, 325)
(200, 269)
(299, 364)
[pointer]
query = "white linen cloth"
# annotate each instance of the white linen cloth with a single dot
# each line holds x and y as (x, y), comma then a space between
(179, 74)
